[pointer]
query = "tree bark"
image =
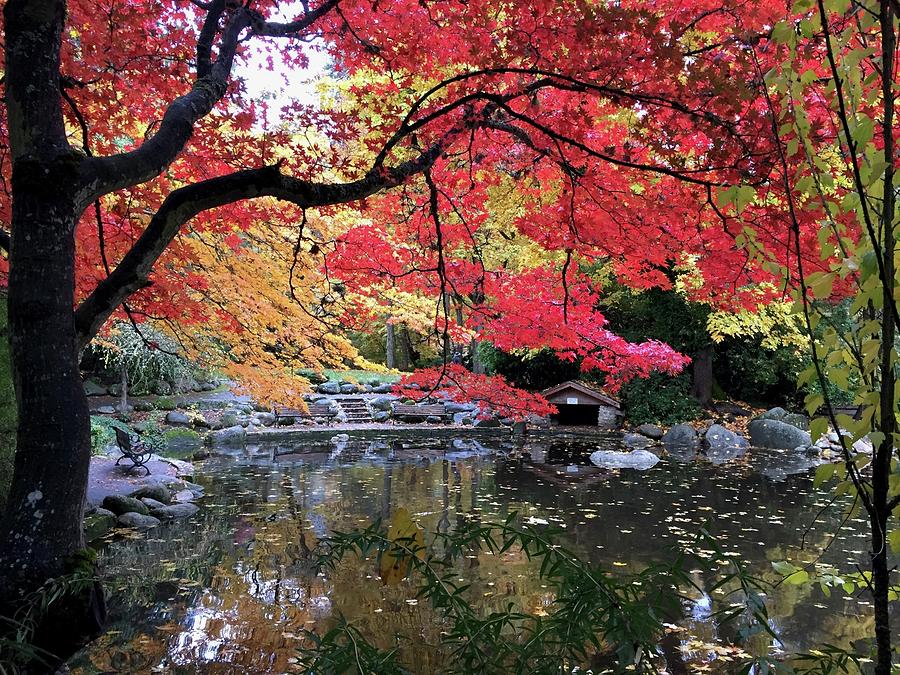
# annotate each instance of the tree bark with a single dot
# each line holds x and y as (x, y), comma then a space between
(41, 533)
(390, 345)
(702, 379)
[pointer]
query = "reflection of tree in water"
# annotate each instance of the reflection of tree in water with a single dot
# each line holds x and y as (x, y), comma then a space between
(233, 586)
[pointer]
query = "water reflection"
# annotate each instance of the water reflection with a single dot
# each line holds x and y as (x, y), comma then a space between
(232, 590)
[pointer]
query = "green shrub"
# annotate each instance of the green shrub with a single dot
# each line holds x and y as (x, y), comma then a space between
(148, 356)
(102, 434)
(659, 399)
(180, 434)
(166, 403)
(749, 372)
(534, 371)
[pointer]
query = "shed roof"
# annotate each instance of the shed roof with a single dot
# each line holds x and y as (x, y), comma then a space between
(582, 388)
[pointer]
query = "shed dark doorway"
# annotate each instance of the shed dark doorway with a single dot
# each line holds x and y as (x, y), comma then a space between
(581, 414)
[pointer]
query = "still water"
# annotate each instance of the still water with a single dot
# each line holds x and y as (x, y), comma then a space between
(231, 590)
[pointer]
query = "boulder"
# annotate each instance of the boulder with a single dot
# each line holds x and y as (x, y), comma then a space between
(234, 436)
(636, 459)
(349, 389)
(92, 388)
(775, 434)
(120, 504)
(106, 410)
(178, 419)
(229, 418)
(142, 405)
(156, 491)
(782, 415)
(181, 510)
(152, 503)
(434, 419)
(140, 521)
(208, 386)
(462, 418)
(489, 423)
(721, 445)
(98, 524)
(330, 388)
(680, 436)
(651, 431)
(266, 419)
(381, 416)
(636, 441)
(383, 389)
(381, 402)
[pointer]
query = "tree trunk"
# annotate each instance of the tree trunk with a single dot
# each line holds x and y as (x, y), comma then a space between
(390, 359)
(41, 532)
(405, 359)
(702, 377)
(123, 401)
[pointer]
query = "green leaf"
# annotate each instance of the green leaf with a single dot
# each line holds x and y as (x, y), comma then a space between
(783, 567)
(817, 428)
(823, 474)
(893, 539)
(798, 578)
(783, 31)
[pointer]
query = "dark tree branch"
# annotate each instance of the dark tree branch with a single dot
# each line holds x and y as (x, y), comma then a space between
(133, 272)
(102, 175)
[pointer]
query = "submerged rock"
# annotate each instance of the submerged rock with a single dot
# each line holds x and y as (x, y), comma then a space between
(777, 435)
(182, 510)
(636, 441)
(139, 521)
(636, 459)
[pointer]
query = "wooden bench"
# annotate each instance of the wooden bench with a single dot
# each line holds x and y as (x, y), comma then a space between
(852, 411)
(133, 448)
(313, 410)
(404, 410)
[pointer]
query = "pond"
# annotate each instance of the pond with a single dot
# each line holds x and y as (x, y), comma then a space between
(231, 590)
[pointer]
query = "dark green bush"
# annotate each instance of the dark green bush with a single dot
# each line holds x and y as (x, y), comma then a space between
(166, 403)
(659, 399)
(534, 372)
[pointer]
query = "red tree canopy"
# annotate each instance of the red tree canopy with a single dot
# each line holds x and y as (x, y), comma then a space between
(635, 135)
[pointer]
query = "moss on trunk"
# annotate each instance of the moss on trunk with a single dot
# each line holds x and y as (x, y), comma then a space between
(7, 408)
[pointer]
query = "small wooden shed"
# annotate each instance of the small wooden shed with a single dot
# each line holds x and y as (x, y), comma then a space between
(581, 404)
